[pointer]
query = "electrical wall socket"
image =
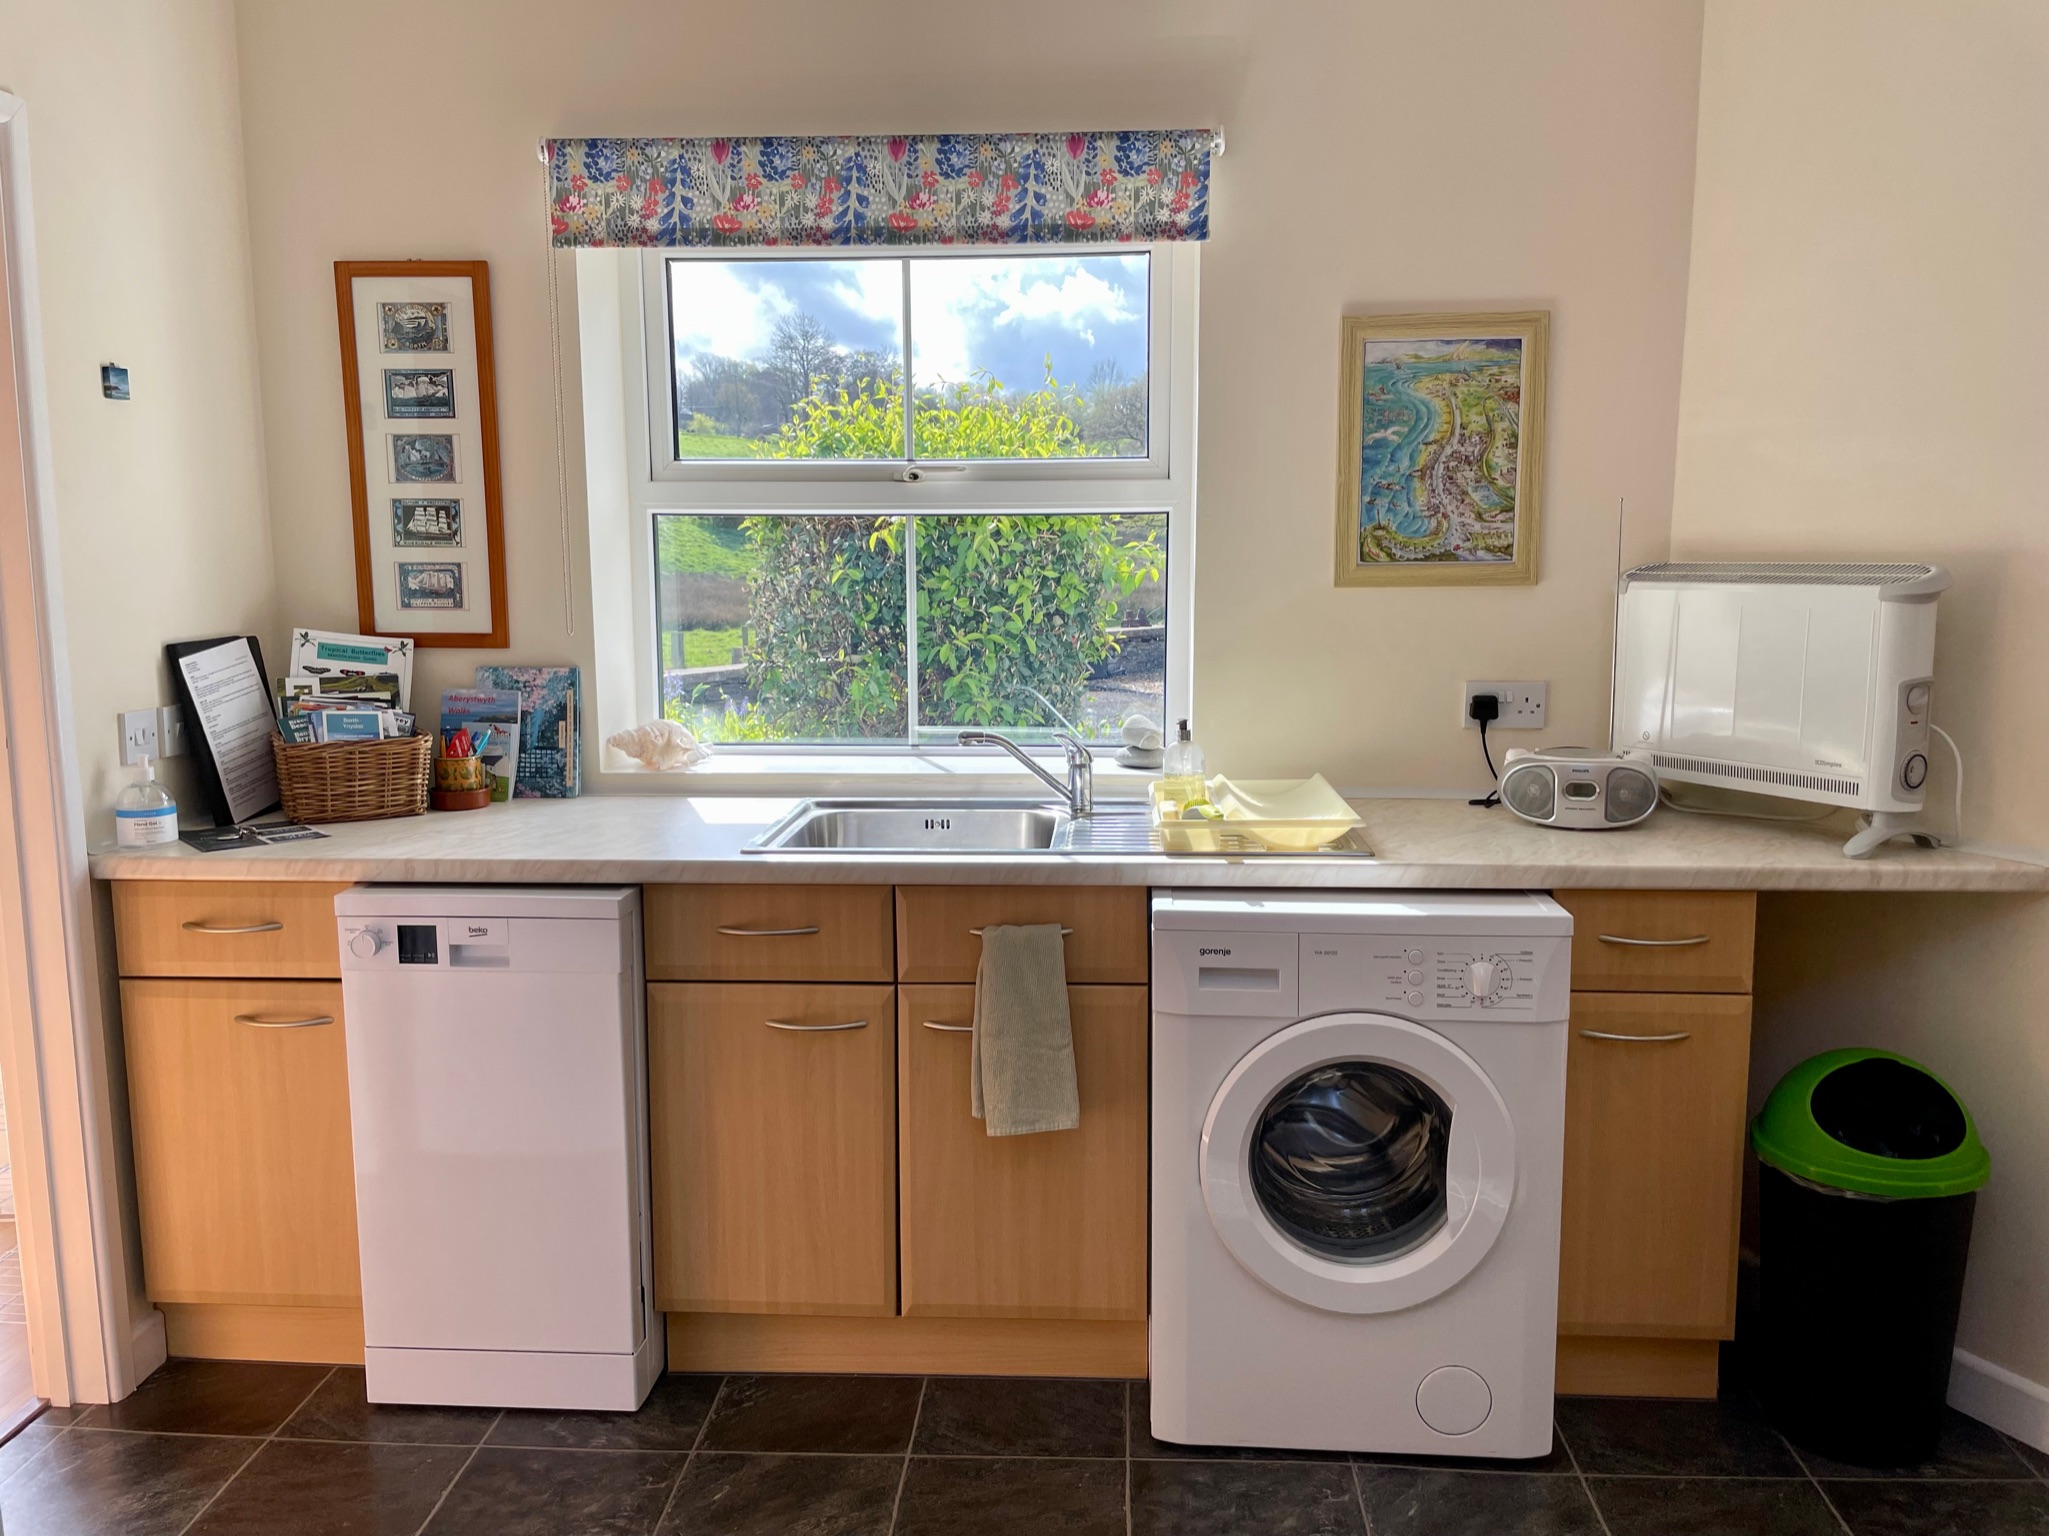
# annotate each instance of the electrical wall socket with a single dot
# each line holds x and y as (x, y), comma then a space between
(1522, 705)
(171, 731)
(138, 735)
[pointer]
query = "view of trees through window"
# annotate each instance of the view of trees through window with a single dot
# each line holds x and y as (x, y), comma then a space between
(819, 627)
(781, 628)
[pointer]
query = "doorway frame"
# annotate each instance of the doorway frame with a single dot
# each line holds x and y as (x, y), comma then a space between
(89, 1340)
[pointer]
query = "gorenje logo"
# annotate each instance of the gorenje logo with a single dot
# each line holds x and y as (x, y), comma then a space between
(1209, 951)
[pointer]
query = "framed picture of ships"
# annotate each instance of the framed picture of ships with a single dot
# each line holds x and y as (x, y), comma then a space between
(421, 406)
(1440, 449)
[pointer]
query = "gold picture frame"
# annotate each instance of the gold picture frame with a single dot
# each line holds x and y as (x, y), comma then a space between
(1446, 513)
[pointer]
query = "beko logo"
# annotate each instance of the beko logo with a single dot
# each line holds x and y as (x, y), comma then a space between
(1213, 951)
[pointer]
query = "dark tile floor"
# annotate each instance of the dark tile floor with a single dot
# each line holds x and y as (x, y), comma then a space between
(220, 1449)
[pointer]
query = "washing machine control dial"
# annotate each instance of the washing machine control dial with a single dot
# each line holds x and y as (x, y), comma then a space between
(1488, 979)
(365, 943)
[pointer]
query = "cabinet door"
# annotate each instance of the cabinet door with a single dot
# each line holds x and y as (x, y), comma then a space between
(238, 1094)
(1654, 1104)
(772, 1131)
(1052, 1225)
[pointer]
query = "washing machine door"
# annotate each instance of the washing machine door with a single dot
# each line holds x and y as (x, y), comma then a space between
(1358, 1163)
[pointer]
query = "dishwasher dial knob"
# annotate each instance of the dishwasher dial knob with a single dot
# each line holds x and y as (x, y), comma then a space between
(365, 943)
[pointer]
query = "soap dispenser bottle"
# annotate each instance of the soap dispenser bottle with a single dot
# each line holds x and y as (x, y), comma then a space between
(1181, 777)
(144, 812)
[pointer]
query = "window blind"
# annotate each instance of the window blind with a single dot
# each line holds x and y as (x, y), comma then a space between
(903, 189)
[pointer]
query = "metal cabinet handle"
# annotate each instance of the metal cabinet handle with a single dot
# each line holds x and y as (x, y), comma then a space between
(814, 1029)
(1686, 943)
(1064, 933)
(950, 1029)
(199, 927)
(767, 933)
(1602, 1034)
(264, 1021)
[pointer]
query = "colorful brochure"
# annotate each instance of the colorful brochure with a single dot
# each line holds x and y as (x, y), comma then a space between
(551, 732)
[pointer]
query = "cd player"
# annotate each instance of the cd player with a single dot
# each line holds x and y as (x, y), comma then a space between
(1579, 789)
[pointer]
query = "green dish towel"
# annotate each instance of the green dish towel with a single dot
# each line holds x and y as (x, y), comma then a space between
(1023, 1067)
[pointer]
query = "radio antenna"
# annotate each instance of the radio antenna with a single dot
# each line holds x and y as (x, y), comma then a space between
(1615, 620)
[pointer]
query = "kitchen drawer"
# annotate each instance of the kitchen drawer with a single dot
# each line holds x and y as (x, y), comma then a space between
(1661, 941)
(769, 933)
(238, 1096)
(937, 939)
(1050, 1225)
(772, 1137)
(226, 928)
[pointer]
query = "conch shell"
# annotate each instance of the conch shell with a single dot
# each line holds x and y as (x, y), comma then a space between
(662, 745)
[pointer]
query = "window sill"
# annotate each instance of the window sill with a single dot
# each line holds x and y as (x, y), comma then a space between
(810, 774)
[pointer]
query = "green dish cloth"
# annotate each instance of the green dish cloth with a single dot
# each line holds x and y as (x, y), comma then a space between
(1023, 1067)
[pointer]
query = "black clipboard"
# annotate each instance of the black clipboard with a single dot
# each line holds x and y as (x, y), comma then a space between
(202, 750)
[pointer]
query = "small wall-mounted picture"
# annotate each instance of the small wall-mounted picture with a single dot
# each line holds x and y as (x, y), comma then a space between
(423, 458)
(430, 585)
(113, 381)
(417, 392)
(412, 326)
(426, 523)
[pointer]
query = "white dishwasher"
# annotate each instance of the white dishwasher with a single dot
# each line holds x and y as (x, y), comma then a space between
(497, 1043)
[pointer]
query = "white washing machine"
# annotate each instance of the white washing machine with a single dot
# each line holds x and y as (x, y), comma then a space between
(1358, 1112)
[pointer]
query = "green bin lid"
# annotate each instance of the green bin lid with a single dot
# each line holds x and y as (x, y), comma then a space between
(1885, 1126)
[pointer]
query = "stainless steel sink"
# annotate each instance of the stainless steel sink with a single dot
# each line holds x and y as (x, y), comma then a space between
(1116, 831)
(916, 826)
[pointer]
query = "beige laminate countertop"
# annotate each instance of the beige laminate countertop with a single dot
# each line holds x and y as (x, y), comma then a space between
(1447, 844)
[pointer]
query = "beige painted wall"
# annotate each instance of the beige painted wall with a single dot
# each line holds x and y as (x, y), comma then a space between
(1871, 227)
(135, 155)
(1550, 165)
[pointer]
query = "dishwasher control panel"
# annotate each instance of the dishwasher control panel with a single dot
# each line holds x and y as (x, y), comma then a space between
(425, 943)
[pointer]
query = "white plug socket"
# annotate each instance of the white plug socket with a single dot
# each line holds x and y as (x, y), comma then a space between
(171, 731)
(138, 735)
(1521, 705)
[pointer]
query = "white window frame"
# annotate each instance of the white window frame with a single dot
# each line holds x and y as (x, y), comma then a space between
(626, 347)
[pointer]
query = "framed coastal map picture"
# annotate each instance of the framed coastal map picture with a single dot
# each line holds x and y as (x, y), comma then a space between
(1440, 449)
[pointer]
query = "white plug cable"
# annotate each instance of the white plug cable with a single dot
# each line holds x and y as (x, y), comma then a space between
(1956, 754)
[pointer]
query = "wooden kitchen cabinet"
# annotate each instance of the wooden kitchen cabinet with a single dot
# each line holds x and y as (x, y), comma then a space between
(769, 933)
(773, 1145)
(238, 1095)
(226, 928)
(1661, 941)
(1654, 1122)
(1043, 1226)
(939, 929)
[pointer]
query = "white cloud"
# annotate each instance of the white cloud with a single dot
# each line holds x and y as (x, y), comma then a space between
(872, 289)
(715, 308)
(952, 300)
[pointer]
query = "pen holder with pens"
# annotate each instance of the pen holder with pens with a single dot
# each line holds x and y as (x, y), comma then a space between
(460, 783)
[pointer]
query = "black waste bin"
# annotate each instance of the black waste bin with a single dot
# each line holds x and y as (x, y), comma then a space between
(1870, 1171)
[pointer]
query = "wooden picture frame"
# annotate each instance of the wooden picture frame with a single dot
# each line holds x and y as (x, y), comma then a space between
(423, 450)
(1422, 499)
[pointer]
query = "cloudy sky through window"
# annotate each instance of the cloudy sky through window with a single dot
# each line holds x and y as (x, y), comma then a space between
(1002, 315)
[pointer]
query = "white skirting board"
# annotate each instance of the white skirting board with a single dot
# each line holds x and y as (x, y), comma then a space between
(2008, 1402)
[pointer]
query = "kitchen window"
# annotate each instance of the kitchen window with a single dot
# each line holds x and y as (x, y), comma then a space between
(876, 498)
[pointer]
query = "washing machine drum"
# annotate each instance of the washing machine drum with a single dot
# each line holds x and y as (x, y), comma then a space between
(1349, 1160)
(1358, 1162)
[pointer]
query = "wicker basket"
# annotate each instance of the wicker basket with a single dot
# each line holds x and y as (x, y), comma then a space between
(353, 780)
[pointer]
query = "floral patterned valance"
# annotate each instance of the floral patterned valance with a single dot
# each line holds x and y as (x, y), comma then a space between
(930, 189)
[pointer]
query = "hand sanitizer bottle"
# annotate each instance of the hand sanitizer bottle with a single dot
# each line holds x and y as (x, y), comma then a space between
(144, 812)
